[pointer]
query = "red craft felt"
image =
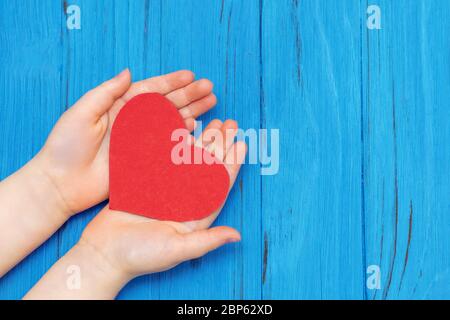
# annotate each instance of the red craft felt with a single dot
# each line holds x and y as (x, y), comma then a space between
(143, 178)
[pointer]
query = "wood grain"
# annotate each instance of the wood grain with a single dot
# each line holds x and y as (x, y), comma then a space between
(312, 208)
(406, 149)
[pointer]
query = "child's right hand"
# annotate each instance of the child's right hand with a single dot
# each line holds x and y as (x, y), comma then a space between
(76, 155)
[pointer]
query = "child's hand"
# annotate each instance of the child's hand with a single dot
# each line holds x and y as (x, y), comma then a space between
(117, 246)
(75, 156)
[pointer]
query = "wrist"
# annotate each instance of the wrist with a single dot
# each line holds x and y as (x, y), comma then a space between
(83, 273)
(98, 272)
(45, 190)
(32, 210)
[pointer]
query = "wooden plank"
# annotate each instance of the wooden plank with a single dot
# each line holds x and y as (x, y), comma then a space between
(407, 155)
(219, 40)
(138, 27)
(88, 61)
(312, 221)
(30, 103)
(113, 36)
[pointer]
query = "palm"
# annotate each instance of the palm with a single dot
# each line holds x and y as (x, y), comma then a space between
(139, 245)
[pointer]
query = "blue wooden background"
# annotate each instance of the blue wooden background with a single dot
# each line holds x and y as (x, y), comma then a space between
(364, 120)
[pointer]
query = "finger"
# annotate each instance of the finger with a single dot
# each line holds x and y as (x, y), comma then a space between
(198, 243)
(190, 123)
(99, 100)
(206, 137)
(190, 93)
(234, 159)
(229, 131)
(199, 107)
(162, 84)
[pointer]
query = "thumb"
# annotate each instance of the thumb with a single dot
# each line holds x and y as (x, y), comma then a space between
(100, 99)
(199, 243)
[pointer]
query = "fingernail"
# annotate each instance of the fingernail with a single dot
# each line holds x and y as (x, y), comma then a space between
(121, 74)
(232, 240)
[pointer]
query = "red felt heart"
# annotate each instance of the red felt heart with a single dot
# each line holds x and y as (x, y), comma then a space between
(143, 178)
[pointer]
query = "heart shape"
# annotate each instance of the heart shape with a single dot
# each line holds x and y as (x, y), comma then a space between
(143, 178)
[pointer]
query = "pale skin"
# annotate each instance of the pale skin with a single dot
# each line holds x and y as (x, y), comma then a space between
(70, 174)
